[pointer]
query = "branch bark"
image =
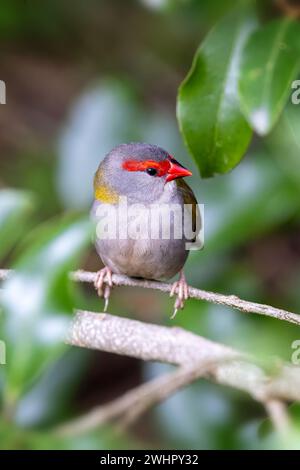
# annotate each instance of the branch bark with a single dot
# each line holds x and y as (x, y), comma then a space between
(231, 301)
(180, 347)
(228, 300)
(196, 357)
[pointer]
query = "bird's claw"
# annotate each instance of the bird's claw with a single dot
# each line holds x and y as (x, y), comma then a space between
(103, 285)
(180, 288)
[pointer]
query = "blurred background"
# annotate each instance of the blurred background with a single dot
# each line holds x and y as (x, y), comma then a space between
(81, 78)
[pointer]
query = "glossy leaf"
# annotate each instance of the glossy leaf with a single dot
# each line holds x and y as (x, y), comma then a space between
(209, 115)
(38, 299)
(15, 208)
(270, 62)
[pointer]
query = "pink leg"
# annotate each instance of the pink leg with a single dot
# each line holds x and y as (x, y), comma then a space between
(103, 284)
(180, 288)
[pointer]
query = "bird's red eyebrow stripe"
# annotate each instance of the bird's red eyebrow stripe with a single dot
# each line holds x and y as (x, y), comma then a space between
(135, 165)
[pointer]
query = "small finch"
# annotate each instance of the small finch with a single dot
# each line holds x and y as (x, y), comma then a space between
(150, 180)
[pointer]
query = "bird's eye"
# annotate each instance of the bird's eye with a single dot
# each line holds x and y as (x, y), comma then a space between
(151, 171)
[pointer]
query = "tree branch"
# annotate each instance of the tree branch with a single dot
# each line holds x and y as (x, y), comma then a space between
(130, 406)
(196, 356)
(277, 411)
(232, 301)
(227, 300)
(180, 347)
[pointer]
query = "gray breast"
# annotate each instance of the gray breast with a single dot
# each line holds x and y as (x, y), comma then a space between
(147, 242)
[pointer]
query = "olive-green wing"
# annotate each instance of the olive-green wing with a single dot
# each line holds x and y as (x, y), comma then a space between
(190, 199)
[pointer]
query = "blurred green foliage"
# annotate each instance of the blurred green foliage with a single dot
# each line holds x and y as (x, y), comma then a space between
(123, 64)
(15, 209)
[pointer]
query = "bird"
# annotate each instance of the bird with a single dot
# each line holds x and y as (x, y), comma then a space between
(134, 184)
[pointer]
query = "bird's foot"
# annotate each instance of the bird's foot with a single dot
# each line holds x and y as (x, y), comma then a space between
(103, 284)
(180, 288)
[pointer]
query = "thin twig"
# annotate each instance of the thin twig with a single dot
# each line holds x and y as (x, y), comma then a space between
(130, 406)
(277, 411)
(227, 300)
(232, 301)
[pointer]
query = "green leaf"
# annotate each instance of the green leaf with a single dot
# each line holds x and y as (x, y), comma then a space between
(270, 62)
(38, 300)
(15, 208)
(213, 127)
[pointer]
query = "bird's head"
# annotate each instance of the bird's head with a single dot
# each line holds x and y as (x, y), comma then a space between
(138, 171)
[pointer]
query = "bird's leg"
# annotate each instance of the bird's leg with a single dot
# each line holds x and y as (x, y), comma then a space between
(103, 284)
(180, 288)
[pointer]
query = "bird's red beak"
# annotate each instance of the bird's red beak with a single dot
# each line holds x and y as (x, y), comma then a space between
(176, 170)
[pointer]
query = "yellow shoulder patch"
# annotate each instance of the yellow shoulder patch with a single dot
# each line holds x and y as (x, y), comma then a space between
(106, 195)
(102, 192)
